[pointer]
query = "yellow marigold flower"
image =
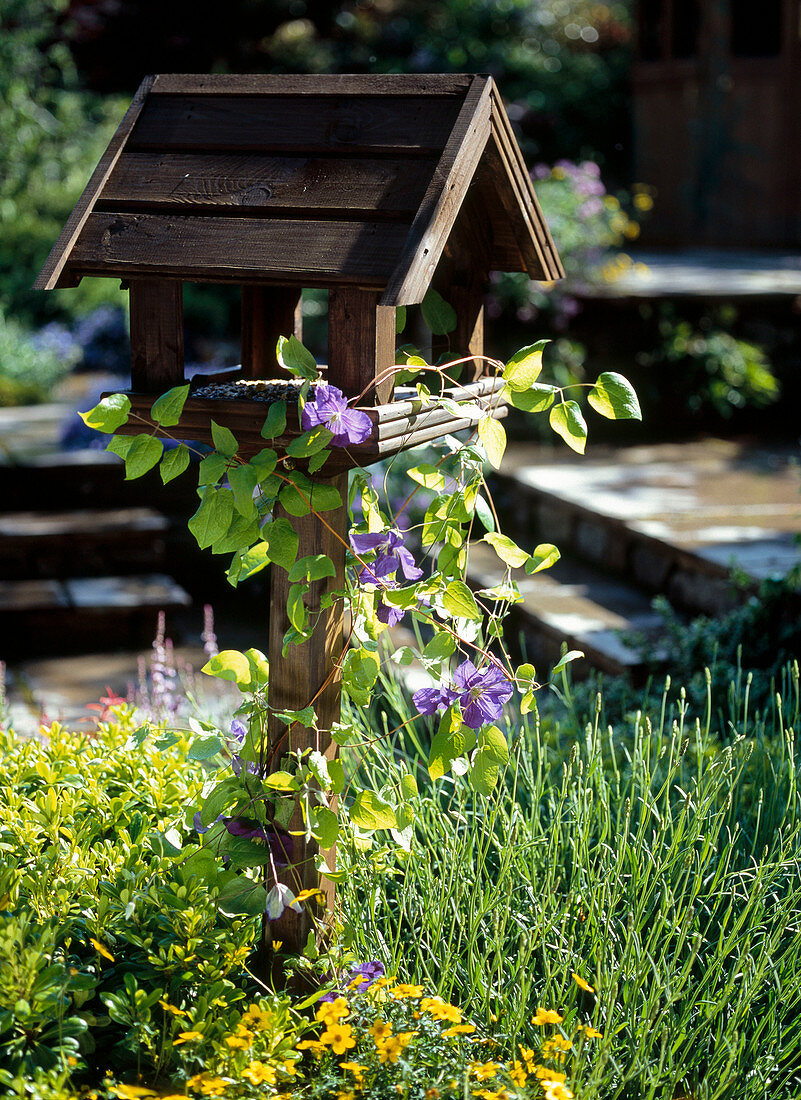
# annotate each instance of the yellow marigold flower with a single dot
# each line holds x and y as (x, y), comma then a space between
(404, 991)
(431, 1094)
(390, 1050)
(441, 1010)
(354, 1068)
(339, 1037)
(545, 1016)
(379, 983)
(313, 1045)
(174, 1096)
(277, 945)
(331, 1011)
(357, 981)
(172, 1009)
(259, 1074)
(304, 895)
(290, 1067)
(631, 232)
(187, 1037)
(458, 1029)
(104, 951)
(260, 1018)
(491, 1094)
(554, 1090)
(131, 1092)
(582, 984)
(380, 1031)
(484, 1070)
(544, 1073)
(643, 201)
(237, 1042)
(208, 1084)
(345, 1096)
(518, 1074)
(529, 1056)
(593, 1033)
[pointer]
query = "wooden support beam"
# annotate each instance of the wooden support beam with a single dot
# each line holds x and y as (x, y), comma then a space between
(157, 335)
(308, 673)
(267, 313)
(361, 343)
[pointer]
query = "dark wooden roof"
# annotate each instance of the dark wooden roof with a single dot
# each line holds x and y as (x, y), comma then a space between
(303, 180)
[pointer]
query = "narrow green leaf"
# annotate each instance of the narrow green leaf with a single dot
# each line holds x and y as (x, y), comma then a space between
(316, 462)
(309, 443)
(296, 358)
(275, 424)
(110, 414)
(243, 481)
(167, 409)
(567, 421)
(224, 440)
(213, 517)
(370, 812)
(565, 660)
(312, 568)
(427, 475)
(142, 455)
(544, 556)
(507, 550)
(231, 665)
(484, 513)
(459, 600)
(613, 396)
(283, 542)
(296, 609)
(120, 444)
(211, 469)
(523, 369)
(174, 462)
(492, 435)
(438, 314)
(537, 398)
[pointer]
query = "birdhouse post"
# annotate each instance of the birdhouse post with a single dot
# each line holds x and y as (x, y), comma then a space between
(375, 188)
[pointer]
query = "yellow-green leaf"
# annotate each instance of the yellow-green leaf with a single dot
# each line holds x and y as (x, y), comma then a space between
(493, 438)
(567, 421)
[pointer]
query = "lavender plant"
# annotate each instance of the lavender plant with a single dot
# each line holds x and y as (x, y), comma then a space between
(395, 572)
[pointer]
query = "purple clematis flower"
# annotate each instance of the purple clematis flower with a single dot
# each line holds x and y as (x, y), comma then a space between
(386, 613)
(480, 693)
(329, 407)
(391, 555)
(369, 971)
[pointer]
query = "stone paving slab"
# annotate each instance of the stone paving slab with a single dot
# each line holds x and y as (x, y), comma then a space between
(710, 505)
(704, 273)
(572, 603)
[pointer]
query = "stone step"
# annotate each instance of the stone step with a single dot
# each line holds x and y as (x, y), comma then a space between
(46, 617)
(673, 518)
(81, 543)
(571, 603)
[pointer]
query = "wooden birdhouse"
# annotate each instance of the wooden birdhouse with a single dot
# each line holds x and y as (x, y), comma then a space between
(375, 188)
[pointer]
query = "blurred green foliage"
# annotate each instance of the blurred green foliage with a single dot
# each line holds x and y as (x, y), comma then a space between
(51, 136)
(28, 370)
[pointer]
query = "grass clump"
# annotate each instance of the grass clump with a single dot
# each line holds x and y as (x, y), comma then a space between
(657, 864)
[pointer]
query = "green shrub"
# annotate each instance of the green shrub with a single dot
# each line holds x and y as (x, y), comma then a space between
(29, 371)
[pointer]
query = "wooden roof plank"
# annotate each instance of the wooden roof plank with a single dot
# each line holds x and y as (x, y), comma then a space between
(350, 84)
(250, 182)
(50, 275)
(443, 199)
(150, 244)
(519, 177)
(319, 124)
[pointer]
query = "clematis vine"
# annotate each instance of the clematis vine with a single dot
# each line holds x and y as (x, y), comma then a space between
(480, 693)
(391, 555)
(329, 409)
